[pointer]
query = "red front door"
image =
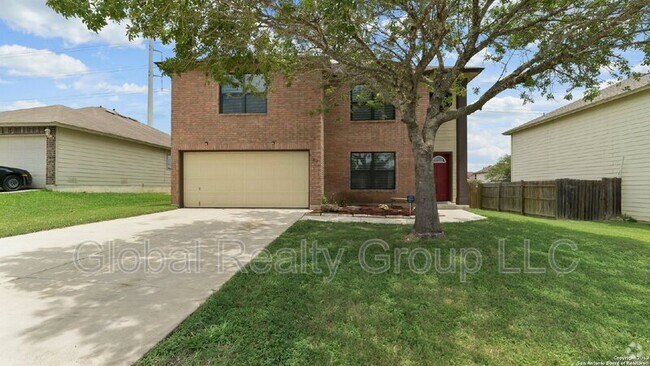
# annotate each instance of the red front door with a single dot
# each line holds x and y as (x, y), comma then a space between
(442, 174)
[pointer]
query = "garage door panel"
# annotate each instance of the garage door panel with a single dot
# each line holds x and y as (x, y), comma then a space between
(26, 152)
(246, 179)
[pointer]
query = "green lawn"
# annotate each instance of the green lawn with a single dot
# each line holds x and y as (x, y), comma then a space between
(591, 314)
(27, 212)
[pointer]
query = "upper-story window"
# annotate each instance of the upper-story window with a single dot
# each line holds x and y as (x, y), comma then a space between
(243, 96)
(448, 102)
(363, 106)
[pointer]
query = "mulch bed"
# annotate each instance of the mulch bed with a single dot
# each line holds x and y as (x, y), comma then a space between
(371, 211)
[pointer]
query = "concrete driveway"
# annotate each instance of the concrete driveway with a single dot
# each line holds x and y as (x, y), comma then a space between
(105, 293)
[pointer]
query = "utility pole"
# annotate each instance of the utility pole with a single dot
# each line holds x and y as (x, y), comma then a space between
(150, 86)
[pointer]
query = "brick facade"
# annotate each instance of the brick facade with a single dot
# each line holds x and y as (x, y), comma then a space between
(343, 136)
(292, 123)
(50, 171)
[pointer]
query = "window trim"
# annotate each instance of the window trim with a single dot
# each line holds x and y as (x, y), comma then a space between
(439, 159)
(373, 117)
(244, 99)
(394, 170)
(168, 161)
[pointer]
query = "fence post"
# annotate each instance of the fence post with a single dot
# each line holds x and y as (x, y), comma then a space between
(611, 197)
(523, 199)
(618, 197)
(604, 199)
(480, 194)
(559, 198)
(499, 197)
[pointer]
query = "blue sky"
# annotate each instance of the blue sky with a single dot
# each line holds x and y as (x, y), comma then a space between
(46, 59)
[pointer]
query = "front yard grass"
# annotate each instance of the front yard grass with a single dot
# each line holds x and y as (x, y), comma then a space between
(591, 314)
(27, 212)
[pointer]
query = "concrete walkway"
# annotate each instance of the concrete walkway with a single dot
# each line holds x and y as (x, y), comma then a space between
(129, 283)
(455, 215)
(20, 191)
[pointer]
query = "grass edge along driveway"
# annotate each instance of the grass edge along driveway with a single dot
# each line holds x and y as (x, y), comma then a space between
(402, 317)
(28, 212)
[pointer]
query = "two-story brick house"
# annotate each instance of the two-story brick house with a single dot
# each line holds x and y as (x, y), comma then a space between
(234, 149)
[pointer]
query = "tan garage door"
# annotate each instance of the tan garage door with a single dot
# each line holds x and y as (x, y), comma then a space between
(246, 179)
(25, 152)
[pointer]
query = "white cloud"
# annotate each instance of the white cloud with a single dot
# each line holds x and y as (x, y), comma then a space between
(640, 68)
(126, 88)
(479, 59)
(36, 18)
(485, 140)
(4, 82)
(91, 84)
(21, 104)
(514, 105)
(487, 144)
(25, 61)
(487, 78)
(607, 83)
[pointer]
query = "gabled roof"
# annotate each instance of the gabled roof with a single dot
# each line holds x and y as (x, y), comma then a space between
(619, 90)
(95, 120)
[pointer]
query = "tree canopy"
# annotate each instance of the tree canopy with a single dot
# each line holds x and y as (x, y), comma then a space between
(500, 171)
(395, 46)
(392, 43)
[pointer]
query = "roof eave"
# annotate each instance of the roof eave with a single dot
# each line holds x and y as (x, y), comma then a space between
(87, 130)
(526, 126)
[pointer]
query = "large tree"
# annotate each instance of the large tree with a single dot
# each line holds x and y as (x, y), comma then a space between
(500, 171)
(395, 46)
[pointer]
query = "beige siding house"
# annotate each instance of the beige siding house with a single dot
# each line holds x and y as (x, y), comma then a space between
(479, 176)
(87, 149)
(607, 137)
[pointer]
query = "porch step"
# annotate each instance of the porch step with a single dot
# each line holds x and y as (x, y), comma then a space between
(451, 206)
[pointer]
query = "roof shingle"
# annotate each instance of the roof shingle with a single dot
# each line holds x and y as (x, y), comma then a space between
(91, 119)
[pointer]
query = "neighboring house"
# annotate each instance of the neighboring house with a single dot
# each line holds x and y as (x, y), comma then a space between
(280, 150)
(86, 149)
(607, 137)
(480, 175)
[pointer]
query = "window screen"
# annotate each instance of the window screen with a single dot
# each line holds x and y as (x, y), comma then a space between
(372, 170)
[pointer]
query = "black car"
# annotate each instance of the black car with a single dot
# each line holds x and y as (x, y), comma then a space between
(13, 179)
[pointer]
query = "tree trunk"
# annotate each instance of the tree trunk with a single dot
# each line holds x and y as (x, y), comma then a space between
(427, 221)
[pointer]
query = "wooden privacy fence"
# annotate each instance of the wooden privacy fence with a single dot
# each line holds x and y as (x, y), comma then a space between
(562, 198)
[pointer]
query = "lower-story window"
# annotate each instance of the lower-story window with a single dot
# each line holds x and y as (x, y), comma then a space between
(372, 170)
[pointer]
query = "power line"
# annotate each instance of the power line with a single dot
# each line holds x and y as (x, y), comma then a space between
(63, 50)
(109, 94)
(98, 71)
(78, 96)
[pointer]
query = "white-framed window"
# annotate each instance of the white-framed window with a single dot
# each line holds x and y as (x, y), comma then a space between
(439, 159)
(243, 96)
